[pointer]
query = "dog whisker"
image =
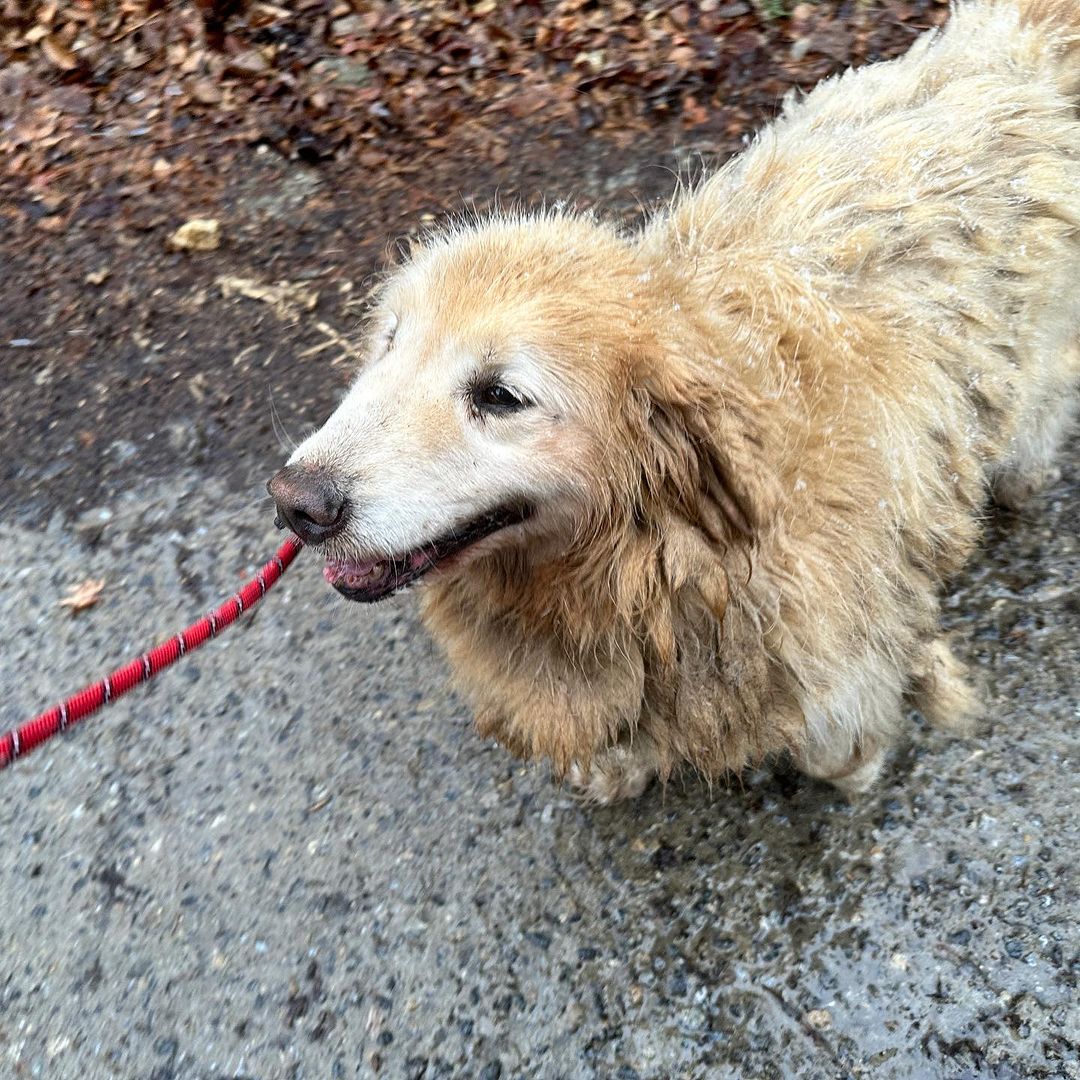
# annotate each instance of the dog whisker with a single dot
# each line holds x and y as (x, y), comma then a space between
(285, 441)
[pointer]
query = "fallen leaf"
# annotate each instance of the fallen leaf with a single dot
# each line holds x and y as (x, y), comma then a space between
(58, 53)
(205, 92)
(84, 596)
(251, 62)
(198, 234)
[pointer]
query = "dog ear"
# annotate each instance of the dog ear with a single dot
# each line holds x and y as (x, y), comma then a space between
(707, 451)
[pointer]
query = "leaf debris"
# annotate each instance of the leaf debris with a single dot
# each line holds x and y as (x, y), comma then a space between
(83, 596)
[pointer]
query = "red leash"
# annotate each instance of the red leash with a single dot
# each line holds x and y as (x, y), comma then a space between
(23, 739)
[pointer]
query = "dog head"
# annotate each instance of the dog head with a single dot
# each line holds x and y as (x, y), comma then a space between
(514, 393)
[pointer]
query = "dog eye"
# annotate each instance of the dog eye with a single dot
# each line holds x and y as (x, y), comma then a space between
(495, 397)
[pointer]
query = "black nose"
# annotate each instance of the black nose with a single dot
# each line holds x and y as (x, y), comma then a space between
(308, 502)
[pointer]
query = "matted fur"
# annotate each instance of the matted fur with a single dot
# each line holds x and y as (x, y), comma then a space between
(765, 426)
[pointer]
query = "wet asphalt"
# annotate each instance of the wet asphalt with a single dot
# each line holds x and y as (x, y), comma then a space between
(292, 857)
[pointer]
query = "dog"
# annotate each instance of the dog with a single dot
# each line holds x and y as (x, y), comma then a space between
(686, 497)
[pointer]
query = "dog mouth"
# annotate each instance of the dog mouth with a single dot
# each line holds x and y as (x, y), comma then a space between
(368, 580)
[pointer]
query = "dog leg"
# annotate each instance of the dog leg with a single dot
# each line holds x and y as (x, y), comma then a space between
(1030, 467)
(1015, 489)
(623, 772)
(942, 693)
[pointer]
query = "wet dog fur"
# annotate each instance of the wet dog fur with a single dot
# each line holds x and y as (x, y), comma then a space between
(754, 437)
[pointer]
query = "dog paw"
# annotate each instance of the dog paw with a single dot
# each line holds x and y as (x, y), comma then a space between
(852, 771)
(612, 776)
(861, 779)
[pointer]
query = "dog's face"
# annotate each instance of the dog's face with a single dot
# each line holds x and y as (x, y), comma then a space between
(483, 415)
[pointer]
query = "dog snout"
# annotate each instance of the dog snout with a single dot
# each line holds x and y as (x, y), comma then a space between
(309, 502)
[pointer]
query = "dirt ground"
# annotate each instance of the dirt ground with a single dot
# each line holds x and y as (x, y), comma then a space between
(291, 856)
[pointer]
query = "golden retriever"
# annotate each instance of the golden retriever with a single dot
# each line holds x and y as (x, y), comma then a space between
(686, 497)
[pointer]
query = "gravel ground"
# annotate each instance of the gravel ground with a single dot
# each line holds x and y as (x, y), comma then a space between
(292, 857)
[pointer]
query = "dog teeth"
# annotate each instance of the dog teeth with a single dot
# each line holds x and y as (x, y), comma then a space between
(372, 573)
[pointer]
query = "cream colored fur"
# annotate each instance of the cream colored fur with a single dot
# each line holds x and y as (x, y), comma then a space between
(764, 428)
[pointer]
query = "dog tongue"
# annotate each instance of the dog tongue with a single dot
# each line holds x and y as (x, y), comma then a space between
(355, 573)
(363, 573)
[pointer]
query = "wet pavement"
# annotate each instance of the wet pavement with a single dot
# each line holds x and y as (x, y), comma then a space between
(291, 856)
